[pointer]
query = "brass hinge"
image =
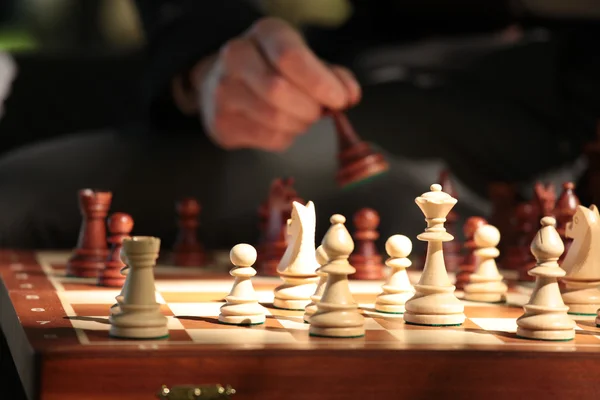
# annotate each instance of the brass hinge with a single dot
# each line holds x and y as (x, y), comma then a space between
(196, 392)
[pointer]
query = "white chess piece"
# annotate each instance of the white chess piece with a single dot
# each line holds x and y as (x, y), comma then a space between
(298, 265)
(322, 259)
(139, 315)
(337, 314)
(582, 263)
(397, 289)
(485, 284)
(434, 302)
(545, 316)
(242, 306)
(125, 272)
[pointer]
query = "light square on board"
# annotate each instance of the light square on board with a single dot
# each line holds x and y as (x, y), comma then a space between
(196, 309)
(241, 336)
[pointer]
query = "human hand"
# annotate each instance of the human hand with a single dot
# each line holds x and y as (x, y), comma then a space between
(266, 87)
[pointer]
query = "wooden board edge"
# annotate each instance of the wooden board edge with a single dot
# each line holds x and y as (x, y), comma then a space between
(22, 352)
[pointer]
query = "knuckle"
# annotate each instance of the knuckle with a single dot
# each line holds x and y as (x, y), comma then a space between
(288, 57)
(275, 87)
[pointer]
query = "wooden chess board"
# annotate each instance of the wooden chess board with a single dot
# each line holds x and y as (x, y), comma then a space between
(57, 331)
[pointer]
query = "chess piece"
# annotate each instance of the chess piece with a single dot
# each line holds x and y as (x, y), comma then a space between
(357, 160)
(543, 204)
(397, 289)
(187, 250)
(139, 315)
(486, 284)
(503, 195)
(90, 254)
(452, 248)
(519, 257)
(119, 226)
(242, 306)
(434, 302)
(545, 316)
(273, 214)
(468, 266)
(311, 308)
(582, 263)
(566, 207)
(125, 273)
(366, 258)
(337, 314)
(298, 264)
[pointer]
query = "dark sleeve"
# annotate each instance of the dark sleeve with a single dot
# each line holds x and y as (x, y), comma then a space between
(179, 33)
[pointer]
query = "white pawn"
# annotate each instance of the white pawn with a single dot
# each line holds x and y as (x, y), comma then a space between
(545, 316)
(337, 314)
(485, 284)
(322, 259)
(242, 306)
(398, 289)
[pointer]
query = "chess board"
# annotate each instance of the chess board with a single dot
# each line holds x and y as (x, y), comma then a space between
(57, 330)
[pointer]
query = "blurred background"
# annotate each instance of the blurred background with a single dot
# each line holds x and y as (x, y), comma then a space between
(76, 66)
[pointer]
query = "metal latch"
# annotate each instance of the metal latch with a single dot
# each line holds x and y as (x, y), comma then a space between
(196, 392)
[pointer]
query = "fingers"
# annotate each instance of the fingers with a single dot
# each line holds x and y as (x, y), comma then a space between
(234, 96)
(347, 78)
(287, 52)
(241, 59)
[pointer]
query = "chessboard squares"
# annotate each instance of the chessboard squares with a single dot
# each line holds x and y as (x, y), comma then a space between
(242, 336)
(194, 297)
(196, 309)
(190, 285)
(212, 322)
(95, 297)
(84, 310)
(485, 310)
(101, 323)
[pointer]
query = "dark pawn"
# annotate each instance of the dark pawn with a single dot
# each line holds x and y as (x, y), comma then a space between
(357, 160)
(469, 264)
(90, 254)
(366, 259)
(187, 250)
(566, 207)
(119, 227)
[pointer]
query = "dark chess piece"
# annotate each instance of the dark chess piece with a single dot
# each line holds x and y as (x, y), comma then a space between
(273, 216)
(526, 221)
(366, 259)
(452, 248)
(565, 209)
(503, 197)
(469, 264)
(90, 254)
(357, 160)
(119, 227)
(187, 250)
